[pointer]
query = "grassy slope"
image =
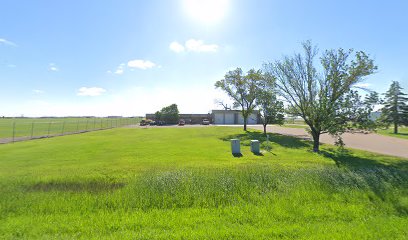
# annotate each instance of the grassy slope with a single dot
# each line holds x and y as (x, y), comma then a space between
(183, 183)
(402, 132)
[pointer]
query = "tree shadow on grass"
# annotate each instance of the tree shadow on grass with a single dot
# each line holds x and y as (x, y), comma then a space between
(346, 159)
(283, 140)
(381, 175)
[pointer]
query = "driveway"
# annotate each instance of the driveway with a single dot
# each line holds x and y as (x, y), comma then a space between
(370, 142)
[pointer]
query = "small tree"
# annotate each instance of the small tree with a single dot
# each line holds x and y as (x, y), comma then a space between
(270, 108)
(395, 110)
(321, 99)
(368, 121)
(241, 89)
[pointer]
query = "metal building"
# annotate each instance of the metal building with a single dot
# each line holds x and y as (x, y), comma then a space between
(233, 117)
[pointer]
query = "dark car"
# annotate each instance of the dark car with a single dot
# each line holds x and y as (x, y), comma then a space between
(161, 123)
(152, 123)
(181, 122)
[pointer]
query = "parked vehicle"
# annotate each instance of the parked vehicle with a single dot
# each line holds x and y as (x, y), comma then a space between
(181, 122)
(143, 123)
(152, 123)
(206, 122)
(161, 123)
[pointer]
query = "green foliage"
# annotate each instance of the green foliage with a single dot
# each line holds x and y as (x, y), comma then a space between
(158, 116)
(270, 108)
(356, 112)
(242, 89)
(395, 110)
(321, 99)
(169, 114)
(127, 184)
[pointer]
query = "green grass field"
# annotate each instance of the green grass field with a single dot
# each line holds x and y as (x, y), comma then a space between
(27, 127)
(402, 132)
(183, 183)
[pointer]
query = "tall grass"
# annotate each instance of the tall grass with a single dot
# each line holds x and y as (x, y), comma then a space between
(306, 196)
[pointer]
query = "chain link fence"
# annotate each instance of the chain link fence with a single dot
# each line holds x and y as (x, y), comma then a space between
(12, 130)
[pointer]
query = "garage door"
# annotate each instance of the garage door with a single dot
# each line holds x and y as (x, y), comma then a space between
(229, 118)
(219, 118)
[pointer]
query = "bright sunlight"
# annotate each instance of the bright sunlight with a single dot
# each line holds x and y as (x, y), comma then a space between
(208, 11)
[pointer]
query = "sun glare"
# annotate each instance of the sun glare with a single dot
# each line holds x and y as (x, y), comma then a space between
(206, 11)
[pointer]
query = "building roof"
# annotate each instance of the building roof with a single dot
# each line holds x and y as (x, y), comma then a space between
(231, 111)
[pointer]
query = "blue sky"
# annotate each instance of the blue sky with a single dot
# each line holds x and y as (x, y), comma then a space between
(127, 58)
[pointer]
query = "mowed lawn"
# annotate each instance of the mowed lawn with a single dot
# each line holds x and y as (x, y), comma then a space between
(402, 132)
(32, 127)
(183, 183)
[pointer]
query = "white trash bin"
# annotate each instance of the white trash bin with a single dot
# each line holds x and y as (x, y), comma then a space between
(255, 148)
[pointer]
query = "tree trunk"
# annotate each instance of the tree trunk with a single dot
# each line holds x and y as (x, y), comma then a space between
(395, 128)
(316, 137)
(264, 125)
(245, 123)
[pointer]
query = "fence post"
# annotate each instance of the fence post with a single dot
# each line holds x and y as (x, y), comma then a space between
(77, 126)
(63, 126)
(49, 127)
(86, 126)
(101, 124)
(32, 130)
(94, 123)
(14, 130)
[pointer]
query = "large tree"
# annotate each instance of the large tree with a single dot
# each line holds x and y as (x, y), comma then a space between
(270, 108)
(321, 99)
(241, 89)
(395, 110)
(169, 114)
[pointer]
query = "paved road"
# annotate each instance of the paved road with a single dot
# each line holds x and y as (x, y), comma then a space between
(370, 142)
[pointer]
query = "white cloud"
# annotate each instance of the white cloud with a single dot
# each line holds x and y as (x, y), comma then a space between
(193, 45)
(120, 69)
(141, 64)
(137, 63)
(6, 42)
(199, 46)
(38, 91)
(90, 91)
(53, 67)
(176, 47)
(362, 85)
